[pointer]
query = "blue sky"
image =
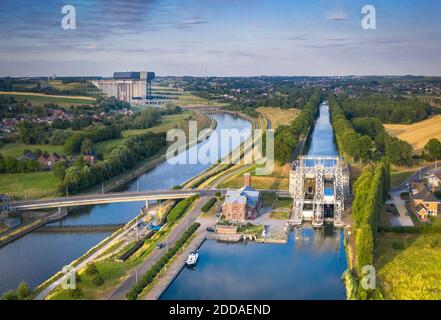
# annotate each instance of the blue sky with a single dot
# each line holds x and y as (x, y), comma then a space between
(220, 37)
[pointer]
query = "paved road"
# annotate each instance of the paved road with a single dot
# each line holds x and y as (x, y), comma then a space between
(402, 220)
(121, 291)
(172, 270)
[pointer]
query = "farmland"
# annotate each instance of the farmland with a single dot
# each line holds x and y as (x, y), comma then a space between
(41, 99)
(279, 116)
(417, 134)
(408, 265)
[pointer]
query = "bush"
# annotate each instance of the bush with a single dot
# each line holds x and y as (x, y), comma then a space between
(91, 269)
(150, 275)
(210, 203)
(76, 293)
(399, 245)
(179, 209)
(23, 291)
(97, 280)
(10, 295)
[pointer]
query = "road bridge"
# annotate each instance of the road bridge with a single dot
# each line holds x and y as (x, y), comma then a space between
(73, 201)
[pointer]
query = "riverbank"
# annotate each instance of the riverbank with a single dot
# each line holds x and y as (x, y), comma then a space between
(110, 185)
(152, 244)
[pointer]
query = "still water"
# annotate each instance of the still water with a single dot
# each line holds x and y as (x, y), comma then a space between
(38, 255)
(306, 268)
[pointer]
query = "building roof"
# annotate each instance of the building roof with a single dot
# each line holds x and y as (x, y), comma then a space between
(422, 193)
(420, 208)
(245, 195)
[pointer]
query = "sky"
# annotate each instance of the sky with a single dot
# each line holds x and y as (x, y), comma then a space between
(220, 37)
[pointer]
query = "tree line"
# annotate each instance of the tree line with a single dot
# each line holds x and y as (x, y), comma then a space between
(386, 109)
(286, 138)
(370, 191)
(366, 139)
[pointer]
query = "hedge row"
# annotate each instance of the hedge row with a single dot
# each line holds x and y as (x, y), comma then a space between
(156, 268)
(210, 203)
(179, 209)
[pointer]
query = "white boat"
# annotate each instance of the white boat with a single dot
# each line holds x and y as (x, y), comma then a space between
(192, 259)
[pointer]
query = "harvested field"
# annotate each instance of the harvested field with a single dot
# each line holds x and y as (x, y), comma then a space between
(417, 134)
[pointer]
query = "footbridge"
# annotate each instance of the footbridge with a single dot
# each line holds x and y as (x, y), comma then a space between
(94, 199)
(318, 186)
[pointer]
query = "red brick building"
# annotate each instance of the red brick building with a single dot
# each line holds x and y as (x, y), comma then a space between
(242, 204)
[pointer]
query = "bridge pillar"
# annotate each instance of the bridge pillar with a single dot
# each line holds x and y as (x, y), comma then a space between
(146, 204)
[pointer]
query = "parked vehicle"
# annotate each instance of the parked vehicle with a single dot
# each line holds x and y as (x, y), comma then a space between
(210, 229)
(160, 245)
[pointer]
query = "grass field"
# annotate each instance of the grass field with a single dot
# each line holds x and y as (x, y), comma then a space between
(408, 266)
(35, 184)
(398, 177)
(16, 149)
(167, 122)
(417, 134)
(278, 180)
(278, 116)
(41, 99)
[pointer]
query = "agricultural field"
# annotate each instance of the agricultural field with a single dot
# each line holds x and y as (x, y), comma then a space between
(41, 99)
(408, 265)
(279, 116)
(417, 134)
(30, 185)
(278, 180)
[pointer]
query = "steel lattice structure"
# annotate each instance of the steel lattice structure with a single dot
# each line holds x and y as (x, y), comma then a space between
(319, 169)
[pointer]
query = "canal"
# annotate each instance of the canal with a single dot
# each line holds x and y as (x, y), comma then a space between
(309, 267)
(38, 255)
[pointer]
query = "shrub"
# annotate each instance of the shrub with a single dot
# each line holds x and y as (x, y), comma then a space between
(23, 290)
(91, 269)
(210, 203)
(10, 295)
(97, 280)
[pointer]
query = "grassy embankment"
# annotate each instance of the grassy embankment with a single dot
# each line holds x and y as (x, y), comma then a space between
(408, 265)
(279, 178)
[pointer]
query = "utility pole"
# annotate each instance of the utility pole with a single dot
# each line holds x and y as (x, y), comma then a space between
(102, 187)
(67, 192)
(137, 184)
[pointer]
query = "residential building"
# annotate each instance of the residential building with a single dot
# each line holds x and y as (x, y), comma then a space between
(423, 201)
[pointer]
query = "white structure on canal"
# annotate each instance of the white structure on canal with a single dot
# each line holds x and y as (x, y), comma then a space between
(318, 186)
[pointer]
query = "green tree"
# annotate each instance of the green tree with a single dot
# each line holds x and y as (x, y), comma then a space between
(60, 169)
(86, 145)
(23, 290)
(432, 150)
(10, 295)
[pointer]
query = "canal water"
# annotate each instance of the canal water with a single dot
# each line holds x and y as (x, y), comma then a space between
(38, 255)
(309, 267)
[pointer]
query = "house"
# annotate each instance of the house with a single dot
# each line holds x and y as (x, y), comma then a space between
(242, 204)
(47, 162)
(90, 157)
(434, 181)
(422, 212)
(27, 156)
(422, 200)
